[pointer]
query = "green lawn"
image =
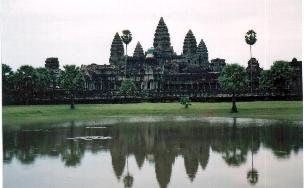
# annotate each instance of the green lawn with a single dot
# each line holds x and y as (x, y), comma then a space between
(17, 115)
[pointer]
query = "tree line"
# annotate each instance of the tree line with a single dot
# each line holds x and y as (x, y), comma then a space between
(28, 83)
(234, 80)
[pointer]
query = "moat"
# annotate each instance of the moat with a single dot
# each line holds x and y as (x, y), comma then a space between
(222, 152)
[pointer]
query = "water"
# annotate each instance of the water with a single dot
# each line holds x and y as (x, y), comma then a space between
(226, 153)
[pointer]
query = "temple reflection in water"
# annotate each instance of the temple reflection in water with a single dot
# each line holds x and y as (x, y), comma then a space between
(157, 144)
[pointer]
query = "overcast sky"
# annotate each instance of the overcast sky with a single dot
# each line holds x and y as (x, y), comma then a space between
(81, 31)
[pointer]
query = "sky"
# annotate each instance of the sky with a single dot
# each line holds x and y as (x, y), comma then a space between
(81, 31)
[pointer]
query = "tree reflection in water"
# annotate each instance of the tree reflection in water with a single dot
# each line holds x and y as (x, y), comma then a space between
(128, 179)
(158, 142)
(252, 174)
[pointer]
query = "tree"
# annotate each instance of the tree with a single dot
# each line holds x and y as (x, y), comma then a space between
(234, 148)
(233, 80)
(128, 179)
(43, 79)
(72, 152)
(6, 73)
(126, 38)
(185, 101)
(250, 39)
(280, 74)
(71, 79)
(7, 83)
(265, 81)
(127, 88)
(252, 174)
(24, 82)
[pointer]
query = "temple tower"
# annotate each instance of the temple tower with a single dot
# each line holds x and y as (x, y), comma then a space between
(117, 51)
(138, 52)
(254, 71)
(52, 65)
(202, 52)
(161, 41)
(189, 47)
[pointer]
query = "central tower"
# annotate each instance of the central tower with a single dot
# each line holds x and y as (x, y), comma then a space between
(161, 43)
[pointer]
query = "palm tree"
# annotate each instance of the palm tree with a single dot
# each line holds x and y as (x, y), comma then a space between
(126, 38)
(128, 179)
(252, 174)
(250, 39)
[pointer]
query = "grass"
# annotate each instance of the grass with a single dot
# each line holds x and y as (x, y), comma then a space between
(281, 110)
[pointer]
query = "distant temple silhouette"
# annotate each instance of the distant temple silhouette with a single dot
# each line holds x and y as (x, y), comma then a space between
(160, 72)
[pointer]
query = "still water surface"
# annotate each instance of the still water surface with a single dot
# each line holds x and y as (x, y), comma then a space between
(217, 154)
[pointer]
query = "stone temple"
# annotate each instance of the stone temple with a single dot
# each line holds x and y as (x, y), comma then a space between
(160, 74)
(159, 69)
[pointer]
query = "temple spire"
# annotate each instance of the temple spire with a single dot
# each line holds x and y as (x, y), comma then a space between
(117, 49)
(189, 47)
(202, 51)
(138, 52)
(162, 36)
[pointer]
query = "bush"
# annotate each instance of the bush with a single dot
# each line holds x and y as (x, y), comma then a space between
(185, 101)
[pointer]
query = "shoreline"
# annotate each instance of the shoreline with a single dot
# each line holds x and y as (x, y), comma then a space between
(34, 114)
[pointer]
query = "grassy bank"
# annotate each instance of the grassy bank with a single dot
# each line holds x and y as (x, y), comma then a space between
(17, 115)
